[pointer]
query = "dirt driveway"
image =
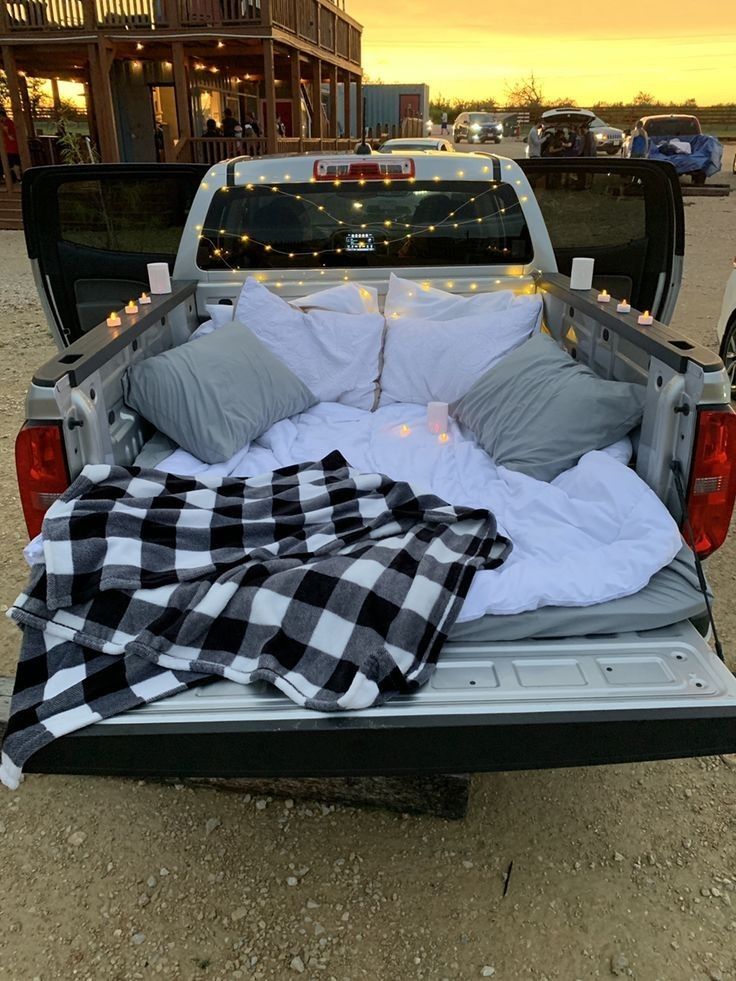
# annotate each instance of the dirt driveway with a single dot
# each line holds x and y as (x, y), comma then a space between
(625, 871)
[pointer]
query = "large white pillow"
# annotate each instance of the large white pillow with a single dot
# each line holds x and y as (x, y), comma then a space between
(336, 355)
(406, 298)
(439, 360)
(347, 298)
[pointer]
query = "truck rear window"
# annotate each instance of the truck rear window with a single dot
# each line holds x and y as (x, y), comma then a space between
(423, 223)
(673, 126)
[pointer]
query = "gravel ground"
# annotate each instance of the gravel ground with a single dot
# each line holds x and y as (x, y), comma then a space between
(623, 871)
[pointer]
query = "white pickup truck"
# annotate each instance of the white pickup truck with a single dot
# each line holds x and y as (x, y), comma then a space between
(587, 696)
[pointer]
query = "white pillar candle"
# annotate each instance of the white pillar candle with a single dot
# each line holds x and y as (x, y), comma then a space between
(581, 275)
(144, 298)
(437, 417)
(131, 307)
(158, 277)
(623, 307)
(113, 320)
(645, 319)
(604, 296)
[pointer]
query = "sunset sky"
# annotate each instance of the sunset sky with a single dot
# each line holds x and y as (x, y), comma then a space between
(591, 52)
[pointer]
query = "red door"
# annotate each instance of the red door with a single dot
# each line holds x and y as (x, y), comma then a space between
(408, 106)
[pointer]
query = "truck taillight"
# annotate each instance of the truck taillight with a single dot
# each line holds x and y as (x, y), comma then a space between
(43, 475)
(366, 169)
(712, 490)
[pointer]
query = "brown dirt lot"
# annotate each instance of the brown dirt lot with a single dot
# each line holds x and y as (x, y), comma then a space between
(617, 871)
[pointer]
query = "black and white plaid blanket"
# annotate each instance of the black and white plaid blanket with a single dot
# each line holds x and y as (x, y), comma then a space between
(338, 587)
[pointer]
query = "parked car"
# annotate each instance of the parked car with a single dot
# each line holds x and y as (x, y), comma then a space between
(726, 330)
(664, 127)
(477, 127)
(417, 143)
(702, 161)
(608, 139)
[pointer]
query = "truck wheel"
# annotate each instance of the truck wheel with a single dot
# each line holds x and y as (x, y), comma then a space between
(728, 353)
(699, 178)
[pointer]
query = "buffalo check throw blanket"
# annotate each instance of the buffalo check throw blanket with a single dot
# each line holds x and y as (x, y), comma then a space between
(336, 586)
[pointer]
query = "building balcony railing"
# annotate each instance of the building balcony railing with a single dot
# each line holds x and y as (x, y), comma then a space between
(322, 22)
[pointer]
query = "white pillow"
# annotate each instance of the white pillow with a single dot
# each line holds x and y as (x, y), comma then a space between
(439, 360)
(408, 299)
(220, 313)
(336, 355)
(348, 298)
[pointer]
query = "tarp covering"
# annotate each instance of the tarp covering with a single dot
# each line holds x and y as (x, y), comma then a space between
(706, 154)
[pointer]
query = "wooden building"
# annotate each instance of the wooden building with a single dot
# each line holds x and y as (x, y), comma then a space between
(155, 70)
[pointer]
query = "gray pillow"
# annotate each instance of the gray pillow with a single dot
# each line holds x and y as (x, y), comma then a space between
(213, 396)
(538, 411)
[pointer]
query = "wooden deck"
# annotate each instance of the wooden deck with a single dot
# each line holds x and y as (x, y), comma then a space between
(320, 24)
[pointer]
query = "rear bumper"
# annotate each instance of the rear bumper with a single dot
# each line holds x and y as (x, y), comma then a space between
(340, 747)
(538, 704)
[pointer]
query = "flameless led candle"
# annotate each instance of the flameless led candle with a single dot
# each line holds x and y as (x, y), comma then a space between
(437, 417)
(581, 275)
(158, 277)
(113, 320)
(623, 307)
(444, 438)
(405, 430)
(604, 296)
(131, 307)
(645, 319)
(144, 298)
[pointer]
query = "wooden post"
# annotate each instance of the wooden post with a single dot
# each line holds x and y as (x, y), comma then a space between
(104, 107)
(317, 98)
(4, 23)
(180, 69)
(27, 107)
(359, 120)
(55, 94)
(94, 133)
(269, 83)
(347, 108)
(7, 175)
(333, 102)
(89, 9)
(296, 92)
(266, 17)
(16, 104)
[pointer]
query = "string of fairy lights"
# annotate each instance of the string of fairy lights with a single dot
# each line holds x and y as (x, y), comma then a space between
(384, 226)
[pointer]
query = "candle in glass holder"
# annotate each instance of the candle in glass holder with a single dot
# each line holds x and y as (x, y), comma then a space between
(144, 298)
(604, 296)
(437, 417)
(113, 320)
(131, 307)
(623, 307)
(645, 319)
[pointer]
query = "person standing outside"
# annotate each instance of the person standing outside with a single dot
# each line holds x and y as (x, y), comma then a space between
(534, 140)
(443, 124)
(231, 128)
(10, 142)
(639, 141)
(589, 148)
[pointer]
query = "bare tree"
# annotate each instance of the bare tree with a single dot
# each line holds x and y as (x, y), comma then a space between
(526, 93)
(643, 99)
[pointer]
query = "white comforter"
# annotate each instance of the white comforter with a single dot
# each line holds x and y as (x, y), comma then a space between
(595, 533)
